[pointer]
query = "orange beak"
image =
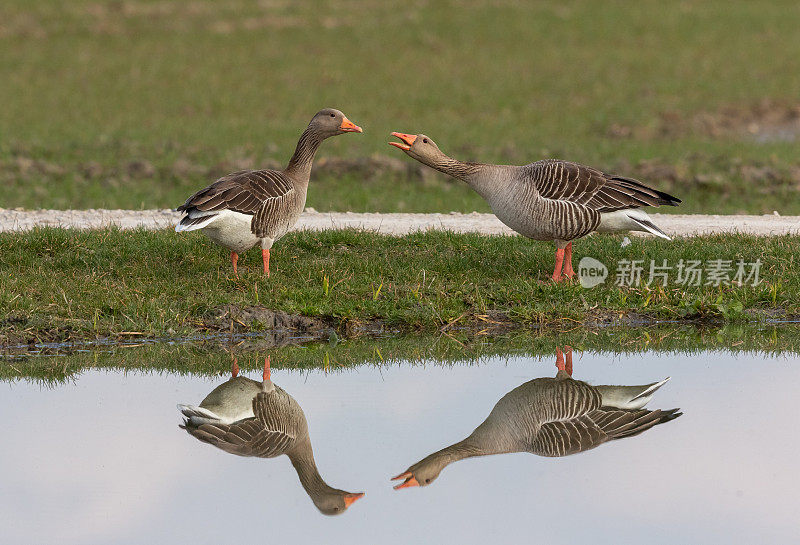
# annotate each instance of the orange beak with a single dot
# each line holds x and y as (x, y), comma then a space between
(350, 498)
(349, 126)
(407, 138)
(410, 480)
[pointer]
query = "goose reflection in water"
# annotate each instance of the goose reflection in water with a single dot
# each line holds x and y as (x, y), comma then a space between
(550, 417)
(251, 418)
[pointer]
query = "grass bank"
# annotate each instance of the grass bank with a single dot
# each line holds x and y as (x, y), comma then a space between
(61, 285)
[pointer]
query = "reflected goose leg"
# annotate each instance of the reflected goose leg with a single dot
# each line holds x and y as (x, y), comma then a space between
(568, 366)
(234, 260)
(265, 258)
(564, 369)
(267, 372)
(568, 271)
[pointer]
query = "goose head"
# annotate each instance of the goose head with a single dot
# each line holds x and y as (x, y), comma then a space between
(422, 473)
(335, 502)
(420, 147)
(330, 122)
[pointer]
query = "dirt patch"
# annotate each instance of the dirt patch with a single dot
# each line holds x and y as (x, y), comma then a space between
(698, 170)
(712, 173)
(15, 337)
(266, 328)
(186, 167)
(22, 25)
(763, 121)
(373, 167)
(284, 325)
(247, 318)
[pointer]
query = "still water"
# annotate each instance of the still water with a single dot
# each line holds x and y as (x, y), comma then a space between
(102, 459)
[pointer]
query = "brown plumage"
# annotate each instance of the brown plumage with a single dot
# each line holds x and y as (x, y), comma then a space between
(551, 199)
(598, 191)
(550, 417)
(249, 418)
(249, 207)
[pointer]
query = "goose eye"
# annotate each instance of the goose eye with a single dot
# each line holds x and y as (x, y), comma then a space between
(425, 140)
(333, 115)
(427, 481)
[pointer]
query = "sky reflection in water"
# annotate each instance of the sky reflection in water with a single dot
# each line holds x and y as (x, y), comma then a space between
(102, 460)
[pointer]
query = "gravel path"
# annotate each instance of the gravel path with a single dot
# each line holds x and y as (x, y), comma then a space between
(396, 224)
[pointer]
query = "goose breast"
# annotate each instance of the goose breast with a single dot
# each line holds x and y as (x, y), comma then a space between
(520, 206)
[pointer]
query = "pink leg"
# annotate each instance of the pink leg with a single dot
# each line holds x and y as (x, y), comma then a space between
(265, 258)
(267, 373)
(559, 263)
(568, 271)
(235, 368)
(234, 260)
(568, 366)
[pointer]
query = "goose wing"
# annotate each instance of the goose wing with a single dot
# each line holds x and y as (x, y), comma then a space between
(579, 184)
(585, 432)
(271, 432)
(244, 191)
(263, 194)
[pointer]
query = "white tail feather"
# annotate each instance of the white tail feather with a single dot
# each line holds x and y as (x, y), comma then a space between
(651, 390)
(634, 219)
(181, 226)
(651, 228)
(198, 415)
(629, 397)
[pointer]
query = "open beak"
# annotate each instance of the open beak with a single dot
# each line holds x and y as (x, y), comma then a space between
(407, 138)
(349, 126)
(350, 498)
(409, 479)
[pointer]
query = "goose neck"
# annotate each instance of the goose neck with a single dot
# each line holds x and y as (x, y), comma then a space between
(455, 168)
(300, 164)
(458, 451)
(302, 458)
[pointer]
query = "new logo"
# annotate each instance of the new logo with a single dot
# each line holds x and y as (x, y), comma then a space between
(591, 272)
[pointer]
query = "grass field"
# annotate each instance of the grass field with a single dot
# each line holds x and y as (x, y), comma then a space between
(60, 285)
(137, 103)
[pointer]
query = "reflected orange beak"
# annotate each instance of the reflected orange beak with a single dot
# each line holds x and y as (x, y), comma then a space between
(407, 138)
(409, 480)
(349, 126)
(350, 498)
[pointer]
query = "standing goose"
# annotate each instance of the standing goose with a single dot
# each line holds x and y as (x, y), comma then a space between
(250, 418)
(551, 199)
(249, 207)
(550, 417)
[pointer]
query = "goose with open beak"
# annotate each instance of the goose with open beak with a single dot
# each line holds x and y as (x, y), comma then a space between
(550, 417)
(551, 199)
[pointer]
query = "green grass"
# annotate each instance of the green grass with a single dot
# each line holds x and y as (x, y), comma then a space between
(454, 348)
(138, 103)
(61, 284)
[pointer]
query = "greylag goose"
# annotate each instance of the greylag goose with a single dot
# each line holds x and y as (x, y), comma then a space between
(549, 200)
(550, 417)
(249, 207)
(250, 418)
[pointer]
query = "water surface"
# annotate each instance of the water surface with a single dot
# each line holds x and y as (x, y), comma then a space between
(100, 459)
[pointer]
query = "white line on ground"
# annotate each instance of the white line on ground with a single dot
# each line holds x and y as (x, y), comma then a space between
(395, 224)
